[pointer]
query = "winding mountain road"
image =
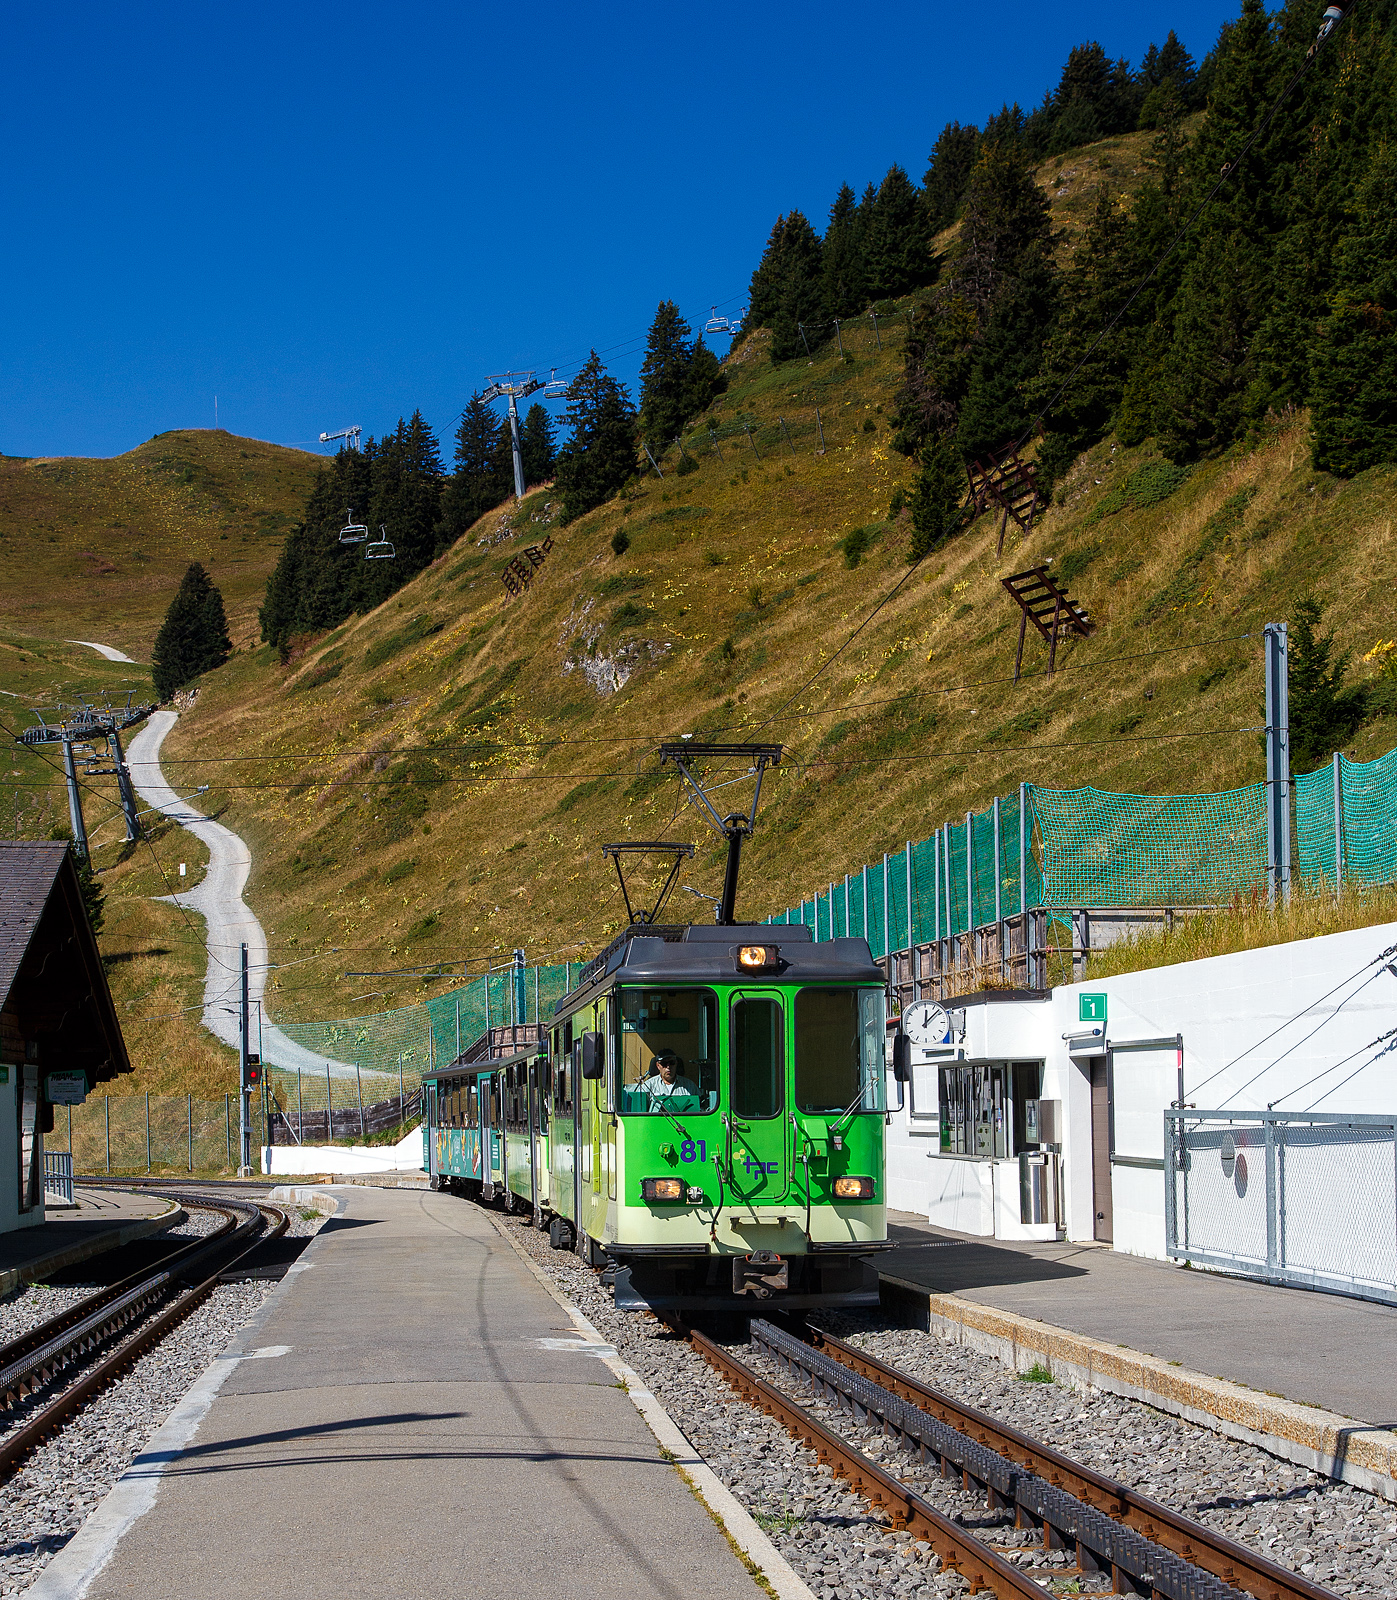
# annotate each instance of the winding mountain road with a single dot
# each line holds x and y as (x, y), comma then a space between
(219, 901)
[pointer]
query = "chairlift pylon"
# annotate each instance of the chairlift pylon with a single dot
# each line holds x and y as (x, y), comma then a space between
(353, 532)
(381, 549)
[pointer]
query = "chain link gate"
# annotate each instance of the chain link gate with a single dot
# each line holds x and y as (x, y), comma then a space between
(1306, 1199)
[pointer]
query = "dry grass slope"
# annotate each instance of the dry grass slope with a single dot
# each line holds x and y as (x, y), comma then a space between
(96, 548)
(435, 780)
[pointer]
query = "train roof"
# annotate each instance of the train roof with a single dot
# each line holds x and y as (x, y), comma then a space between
(707, 953)
(461, 1068)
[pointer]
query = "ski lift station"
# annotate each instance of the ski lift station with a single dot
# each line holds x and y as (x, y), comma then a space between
(1235, 1112)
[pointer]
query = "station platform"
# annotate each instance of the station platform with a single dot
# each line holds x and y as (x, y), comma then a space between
(412, 1412)
(1315, 1349)
(101, 1220)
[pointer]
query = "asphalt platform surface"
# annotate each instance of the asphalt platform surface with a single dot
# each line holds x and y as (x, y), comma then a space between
(419, 1421)
(96, 1223)
(1318, 1349)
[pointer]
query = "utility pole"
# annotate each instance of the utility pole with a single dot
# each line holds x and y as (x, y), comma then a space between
(74, 802)
(83, 724)
(1277, 763)
(245, 1092)
(516, 386)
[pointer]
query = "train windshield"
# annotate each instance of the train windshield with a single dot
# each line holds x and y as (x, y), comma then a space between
(668, 1051)
(839, 1050)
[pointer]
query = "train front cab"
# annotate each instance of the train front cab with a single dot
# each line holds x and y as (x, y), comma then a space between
(758, 1179)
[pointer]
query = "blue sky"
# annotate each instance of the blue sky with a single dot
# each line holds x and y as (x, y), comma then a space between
(334, 214)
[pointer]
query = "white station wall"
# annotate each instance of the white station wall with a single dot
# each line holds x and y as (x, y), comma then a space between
(1295, 1026)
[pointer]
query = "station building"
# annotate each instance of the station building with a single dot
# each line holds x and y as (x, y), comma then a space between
(1282, 1059)
(59, 1033)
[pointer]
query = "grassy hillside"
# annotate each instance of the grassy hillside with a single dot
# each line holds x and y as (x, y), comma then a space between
(95, 548)
(436, 779)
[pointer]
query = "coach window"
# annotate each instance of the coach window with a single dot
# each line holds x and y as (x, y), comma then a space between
(758, 1060)
(671, 1022)
(839, 1050)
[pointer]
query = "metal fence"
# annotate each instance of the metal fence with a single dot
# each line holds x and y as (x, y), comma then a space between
(158, 1133)
(1306, 1199)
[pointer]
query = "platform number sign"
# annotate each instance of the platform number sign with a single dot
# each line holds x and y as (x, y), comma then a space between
(1091, 1007)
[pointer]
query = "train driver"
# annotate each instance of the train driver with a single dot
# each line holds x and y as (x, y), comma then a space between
(666, 1078)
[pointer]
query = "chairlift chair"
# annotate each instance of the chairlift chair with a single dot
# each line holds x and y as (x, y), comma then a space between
(353, 532)
(380, 549)
(717, 324)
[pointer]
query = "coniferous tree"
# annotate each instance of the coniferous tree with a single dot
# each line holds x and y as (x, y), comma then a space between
(897, 239)
(785, 288)
(538, 445)
(600, 453)
(664, 376)
(843, 275)
(997, 407)
(406, 502)
(948, 173)
(475, 485)
(193, 638)
(1324, 715)
(937, 498)
(1355, 356)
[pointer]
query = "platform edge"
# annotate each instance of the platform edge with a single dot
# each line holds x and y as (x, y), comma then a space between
(727, 1510)
(1309, 1436)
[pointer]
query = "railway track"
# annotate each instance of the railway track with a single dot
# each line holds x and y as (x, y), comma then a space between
(1114, 1533)
(181, 1281)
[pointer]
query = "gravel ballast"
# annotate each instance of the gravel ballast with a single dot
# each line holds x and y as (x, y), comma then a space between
(1336, 1535)
(47, 1501)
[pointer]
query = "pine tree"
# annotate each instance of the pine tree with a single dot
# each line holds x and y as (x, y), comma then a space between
(406, 500)
(785, 288)
(948, 173)
(897, 233)
(664, 376)
(996, 407)
(538, 444)
(937, 498)
(600, 453)
(1355, 366)
(93, 896)
(843, 274)
(193, 638)
(475, 485)
(1324, 715)
(1083, 398)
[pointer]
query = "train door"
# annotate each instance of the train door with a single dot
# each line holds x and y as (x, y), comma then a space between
(1103, 1221)
(429, 1128)
(498, 1160)
(606, 1023)
(486, 1133)
(755, 1121)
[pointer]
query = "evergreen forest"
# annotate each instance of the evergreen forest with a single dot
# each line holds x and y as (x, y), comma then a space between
(1252, 273)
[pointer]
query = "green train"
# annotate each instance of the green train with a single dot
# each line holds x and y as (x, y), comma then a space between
(704, 1117)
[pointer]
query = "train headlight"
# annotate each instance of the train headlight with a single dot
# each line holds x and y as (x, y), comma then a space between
(758, 957)
(662, 1188)
(853, 1188)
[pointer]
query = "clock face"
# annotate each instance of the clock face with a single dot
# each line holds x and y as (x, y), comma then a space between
(927, 1024)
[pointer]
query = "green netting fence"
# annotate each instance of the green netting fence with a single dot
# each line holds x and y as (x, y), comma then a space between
(1360, 797)
(929, 890)
(1061, 848)
(380, 1058)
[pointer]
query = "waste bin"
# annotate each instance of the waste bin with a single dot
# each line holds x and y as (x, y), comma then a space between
(1038, 1187)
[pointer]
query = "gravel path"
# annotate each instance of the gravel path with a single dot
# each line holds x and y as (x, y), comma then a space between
(45, 1504)
(1338, 1536)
